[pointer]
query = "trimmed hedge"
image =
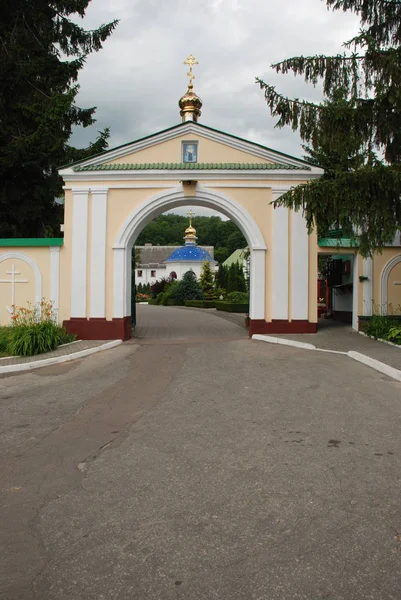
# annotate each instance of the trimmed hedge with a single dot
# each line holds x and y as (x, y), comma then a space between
(172, 302)
(201, 303)
(152, 301)
(232, 307)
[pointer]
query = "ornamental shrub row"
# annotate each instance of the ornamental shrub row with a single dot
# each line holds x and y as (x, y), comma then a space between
(235, 307)
(201, 303)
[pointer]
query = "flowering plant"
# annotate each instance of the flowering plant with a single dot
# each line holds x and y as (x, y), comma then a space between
(41, 312)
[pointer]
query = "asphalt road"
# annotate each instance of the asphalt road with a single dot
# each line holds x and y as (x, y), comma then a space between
(201, 468)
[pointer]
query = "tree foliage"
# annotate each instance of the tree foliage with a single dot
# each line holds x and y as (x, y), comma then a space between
(360, 121)
(168, 230)
(206, 281)
(42, 51)
(188, 288)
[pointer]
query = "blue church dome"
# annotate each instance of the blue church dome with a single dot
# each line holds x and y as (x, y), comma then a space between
(189, 253)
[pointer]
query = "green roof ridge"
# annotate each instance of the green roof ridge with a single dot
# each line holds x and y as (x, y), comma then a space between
(184, 166)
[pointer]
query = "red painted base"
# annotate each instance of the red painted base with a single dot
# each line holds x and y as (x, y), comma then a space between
(262, 326)
(99, 329)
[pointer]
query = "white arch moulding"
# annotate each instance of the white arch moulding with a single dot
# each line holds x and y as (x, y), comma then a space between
(173, 198)
(384, 282)
(34, 266)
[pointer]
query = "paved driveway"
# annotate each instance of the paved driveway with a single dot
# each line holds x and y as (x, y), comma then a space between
(173, 323)
(220, 469)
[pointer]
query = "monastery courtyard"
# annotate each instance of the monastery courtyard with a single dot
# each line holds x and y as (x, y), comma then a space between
(192, 463)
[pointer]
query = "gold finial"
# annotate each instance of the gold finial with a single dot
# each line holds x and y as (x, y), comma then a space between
(190, 214)
(191, 61)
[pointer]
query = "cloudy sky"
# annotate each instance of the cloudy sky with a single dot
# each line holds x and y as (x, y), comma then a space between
(138, 77)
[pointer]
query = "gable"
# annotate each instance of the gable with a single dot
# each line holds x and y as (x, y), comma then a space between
(163, 150)
(170, 151)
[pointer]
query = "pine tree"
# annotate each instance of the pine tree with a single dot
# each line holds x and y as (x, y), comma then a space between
(361, 119)
(42, 51)
(188, 288)
(221, 277)
(206, 281)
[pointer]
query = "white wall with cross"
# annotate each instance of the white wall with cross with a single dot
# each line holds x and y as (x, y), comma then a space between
(13, 280)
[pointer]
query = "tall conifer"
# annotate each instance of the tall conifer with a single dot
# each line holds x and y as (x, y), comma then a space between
(42, 51)
(361, 121)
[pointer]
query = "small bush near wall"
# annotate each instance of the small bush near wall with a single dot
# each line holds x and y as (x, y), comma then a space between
(34, 331)
(378, 326)
(394, 335)
(201, 303)
(232, 307)
(238, 297)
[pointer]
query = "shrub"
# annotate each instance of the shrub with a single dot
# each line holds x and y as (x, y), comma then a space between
(232, 307)
(159, 286)
(238, 297)
(169, 293)
(206, 281)
(29, 340)
(394, 335)
(188, 288)
(201, 303)
(4, 339)
(378, 326)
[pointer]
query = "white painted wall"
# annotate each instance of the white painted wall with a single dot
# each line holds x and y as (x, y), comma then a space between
(180, 269)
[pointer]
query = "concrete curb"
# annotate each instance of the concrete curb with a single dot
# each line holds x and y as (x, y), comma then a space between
(375, 364)
(275, 340)
(36, 364)
(362, 358)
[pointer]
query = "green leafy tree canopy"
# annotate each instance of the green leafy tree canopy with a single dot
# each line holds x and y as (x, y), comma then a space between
(42, 51)
(360, 121)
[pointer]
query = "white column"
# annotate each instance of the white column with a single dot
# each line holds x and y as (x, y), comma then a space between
(355, 281)
(280, 260)
(257, 278)
(79, 251)
(119, 283)
(368, 287)
(98, 253)
(299, 268)
(55, 276)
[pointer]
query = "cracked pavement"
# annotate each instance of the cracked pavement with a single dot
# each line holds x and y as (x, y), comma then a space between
(201, 468)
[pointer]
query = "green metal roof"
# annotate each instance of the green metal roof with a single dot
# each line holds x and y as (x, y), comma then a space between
(190, 166)
(19, 242)
(337, 243)
(236, 257)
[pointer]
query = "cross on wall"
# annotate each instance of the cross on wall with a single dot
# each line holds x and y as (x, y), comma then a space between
(13, 281)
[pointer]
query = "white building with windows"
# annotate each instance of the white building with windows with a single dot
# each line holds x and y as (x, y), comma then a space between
(172, 262)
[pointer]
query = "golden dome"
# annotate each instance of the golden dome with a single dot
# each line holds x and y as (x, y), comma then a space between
(190, 105)
(190, 229)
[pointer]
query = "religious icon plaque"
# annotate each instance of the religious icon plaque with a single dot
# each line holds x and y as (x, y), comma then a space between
(190, 152)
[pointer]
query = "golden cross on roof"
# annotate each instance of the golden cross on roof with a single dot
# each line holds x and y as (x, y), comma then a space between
(190, 215)
(191, 61)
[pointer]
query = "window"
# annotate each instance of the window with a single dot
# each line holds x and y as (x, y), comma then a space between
(153, 273)
(189, 152)
(139, 272)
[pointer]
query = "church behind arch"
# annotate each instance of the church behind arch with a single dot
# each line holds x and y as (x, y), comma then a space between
(109, 198)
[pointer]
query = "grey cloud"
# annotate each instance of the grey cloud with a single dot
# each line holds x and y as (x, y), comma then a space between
(139, 76)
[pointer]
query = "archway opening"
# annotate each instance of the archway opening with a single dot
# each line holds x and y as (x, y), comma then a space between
(184, 257)
(179, 198)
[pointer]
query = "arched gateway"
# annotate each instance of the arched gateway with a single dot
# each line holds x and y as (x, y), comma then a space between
(110, 198)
